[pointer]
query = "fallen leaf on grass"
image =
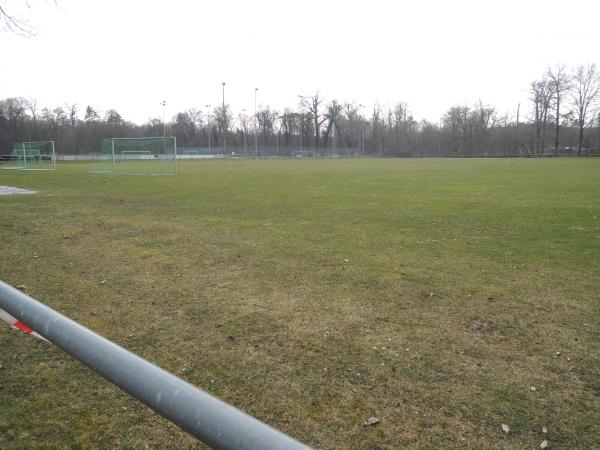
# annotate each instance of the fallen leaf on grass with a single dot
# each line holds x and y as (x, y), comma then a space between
(505, 428)
(544, 444)
(371, 421)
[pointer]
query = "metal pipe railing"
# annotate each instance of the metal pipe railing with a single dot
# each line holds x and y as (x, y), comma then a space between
(211, 420)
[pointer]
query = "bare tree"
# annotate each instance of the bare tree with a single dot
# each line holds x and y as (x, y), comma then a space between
(266, 123)
(542, 95)
(91, 115)
(223, 118)
(584, 93)
(313, 103)
(186, 125)
(13, 109)
(32, 106)
(11, 22)
(72, 115)
(334, 110)
(289, 122)
(560, 82)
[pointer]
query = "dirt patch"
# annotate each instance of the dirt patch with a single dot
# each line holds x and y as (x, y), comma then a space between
(481, 326)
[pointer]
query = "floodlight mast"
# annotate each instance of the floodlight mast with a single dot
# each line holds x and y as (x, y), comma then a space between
(224, 123)
(255, 126)
(112, 143)
(174, 152)
(301, 118)
(333, 125)
(165, 135)
(208, 124)
(362, 120)
(244, 131)
(163, 103)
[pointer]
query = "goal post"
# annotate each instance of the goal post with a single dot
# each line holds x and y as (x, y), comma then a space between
(37, 155)
(138, 156)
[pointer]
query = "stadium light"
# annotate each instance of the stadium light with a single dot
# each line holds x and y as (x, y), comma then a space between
(208, 124)
(360, 116)
(255, 125)
(301, 118)
(163, 103)
(244, 130)
(224, 122)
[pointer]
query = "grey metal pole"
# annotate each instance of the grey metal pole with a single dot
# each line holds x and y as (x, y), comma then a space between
(163, 103)
(244, 131)
(219, 425)
(175, 152)
(301, 119)
(255, 126)
(224, 123)
(333, 125)
(362, 119)
(208, 124)
(112, 143)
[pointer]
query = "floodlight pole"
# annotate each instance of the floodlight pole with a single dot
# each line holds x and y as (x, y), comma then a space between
(278, 131)
(163, 103)
(224, 123)
(255, 126)
(301, 119)
(361, 129)
(333, 125)
(165, 132)
(112, 143)
(174, 151)
(208, 124)
(245, 125)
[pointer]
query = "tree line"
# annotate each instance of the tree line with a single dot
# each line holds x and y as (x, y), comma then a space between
(563, 117)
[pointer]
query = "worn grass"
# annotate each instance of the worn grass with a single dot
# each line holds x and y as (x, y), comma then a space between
(432, 294)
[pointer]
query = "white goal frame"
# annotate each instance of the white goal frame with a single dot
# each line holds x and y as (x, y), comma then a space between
(115, 157)
(32, 165)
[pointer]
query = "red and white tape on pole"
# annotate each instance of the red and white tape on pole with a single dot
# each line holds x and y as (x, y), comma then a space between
(17, 324)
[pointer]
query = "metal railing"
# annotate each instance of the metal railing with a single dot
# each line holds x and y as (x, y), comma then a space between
(211, 420)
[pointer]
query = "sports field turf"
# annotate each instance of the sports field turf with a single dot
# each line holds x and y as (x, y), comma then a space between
(444, 297)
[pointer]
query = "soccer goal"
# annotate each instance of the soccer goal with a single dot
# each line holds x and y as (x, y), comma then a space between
(138, 156)
(39, 155)
(301, 154)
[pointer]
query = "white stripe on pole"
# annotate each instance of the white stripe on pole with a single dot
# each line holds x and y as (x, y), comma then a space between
(18, 325)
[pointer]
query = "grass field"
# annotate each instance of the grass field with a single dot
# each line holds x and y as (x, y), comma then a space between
(444, 297)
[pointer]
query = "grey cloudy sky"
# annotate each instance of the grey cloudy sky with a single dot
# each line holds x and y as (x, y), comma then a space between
(130, 55)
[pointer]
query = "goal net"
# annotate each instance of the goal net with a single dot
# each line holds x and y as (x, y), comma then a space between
(137, 156)
(39, 155)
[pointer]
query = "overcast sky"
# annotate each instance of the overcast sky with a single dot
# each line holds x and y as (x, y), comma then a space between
(130, 55)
